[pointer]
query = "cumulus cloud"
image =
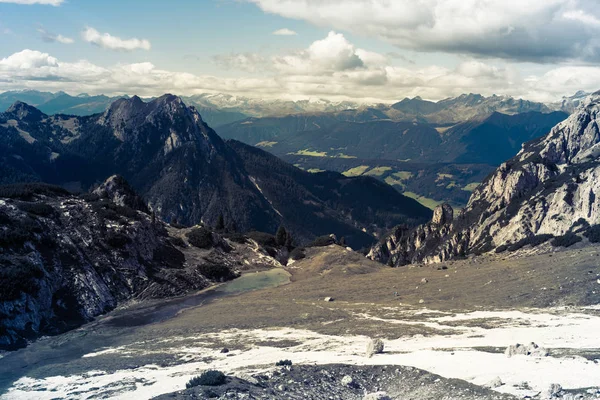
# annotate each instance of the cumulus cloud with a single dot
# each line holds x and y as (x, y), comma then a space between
(28, 60)
(284, 32)
(108, 41)
(532, 30)
(29, 2)
(333, 53)
(336, 75)
(51, 37)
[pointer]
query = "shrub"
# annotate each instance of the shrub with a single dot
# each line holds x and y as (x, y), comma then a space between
(216, 272)
(262, 238)
(283, 363)
(117, 240)
(207, 378)
(297, 254)
(200, 237)
(17, 276)
(177, 241)
(237, 238)
(501, 248)
(89, 197)
(169, 256)
(593, 234)
(108, 210)
(325, 240)
(25, 191)
(19, 232)
(41, 209)
(566, 240)
(4, 218)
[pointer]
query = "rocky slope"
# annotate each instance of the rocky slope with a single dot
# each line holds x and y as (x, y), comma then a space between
(65, 259)
(325, 382)
(182, 169)
(548, 189)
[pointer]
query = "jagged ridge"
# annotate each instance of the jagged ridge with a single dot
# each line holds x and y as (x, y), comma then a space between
(549, 188)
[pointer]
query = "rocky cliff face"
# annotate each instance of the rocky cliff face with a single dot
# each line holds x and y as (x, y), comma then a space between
(548, 189)
(65, 259)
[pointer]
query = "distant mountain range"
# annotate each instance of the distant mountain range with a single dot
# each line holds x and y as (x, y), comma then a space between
(188, 174)
(546, 193)
(479, 132)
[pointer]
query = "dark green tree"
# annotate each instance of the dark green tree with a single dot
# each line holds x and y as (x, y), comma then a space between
(220, 223)
(289, 242)
(281, 236)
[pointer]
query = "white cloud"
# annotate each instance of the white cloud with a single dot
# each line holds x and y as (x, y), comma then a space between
(531, 30)
(29, 2)
(369, 80)
(107, 41)
(249, 62)
(284, 32)
(51, 37)
(583, 17)
(28, 60)
(333, 53)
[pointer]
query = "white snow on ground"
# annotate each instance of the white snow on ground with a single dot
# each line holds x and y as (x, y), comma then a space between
(453, 355)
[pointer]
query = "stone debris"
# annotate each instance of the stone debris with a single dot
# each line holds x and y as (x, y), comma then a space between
(531, 349)
(375, 346)
(494, 383)
(347, 380)
(377, 396)
(552, 392)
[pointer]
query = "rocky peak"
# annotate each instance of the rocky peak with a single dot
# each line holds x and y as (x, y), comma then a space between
(548, 189)
(23, 111)
(168, 113)
(118, 191)
(443, 214)
(576, 139)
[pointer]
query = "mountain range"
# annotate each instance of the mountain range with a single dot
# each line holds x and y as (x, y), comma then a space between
(454, 140)
(188, 174)
(544, 196)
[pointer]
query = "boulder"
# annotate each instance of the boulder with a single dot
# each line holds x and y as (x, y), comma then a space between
(530, 349)
(328, 299)
(494, 383)
(347, 380)
(375, 346)
(552, 392)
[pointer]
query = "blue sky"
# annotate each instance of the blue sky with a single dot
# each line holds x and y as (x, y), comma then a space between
(363, 50)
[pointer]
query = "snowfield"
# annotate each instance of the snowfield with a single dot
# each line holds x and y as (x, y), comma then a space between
(471, 348)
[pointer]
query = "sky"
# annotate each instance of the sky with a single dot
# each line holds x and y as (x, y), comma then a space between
(358, 50)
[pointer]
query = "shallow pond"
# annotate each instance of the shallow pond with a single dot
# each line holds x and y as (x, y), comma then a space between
(157, 312)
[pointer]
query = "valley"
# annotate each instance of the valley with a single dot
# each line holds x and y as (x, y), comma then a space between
(235, 260)
(300, 200)
(457, 325)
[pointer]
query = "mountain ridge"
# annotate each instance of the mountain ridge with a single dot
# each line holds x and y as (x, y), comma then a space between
(548, 190)
(181, 167)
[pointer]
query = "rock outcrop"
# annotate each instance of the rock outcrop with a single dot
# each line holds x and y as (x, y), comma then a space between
(549, 189)
(65, 259)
